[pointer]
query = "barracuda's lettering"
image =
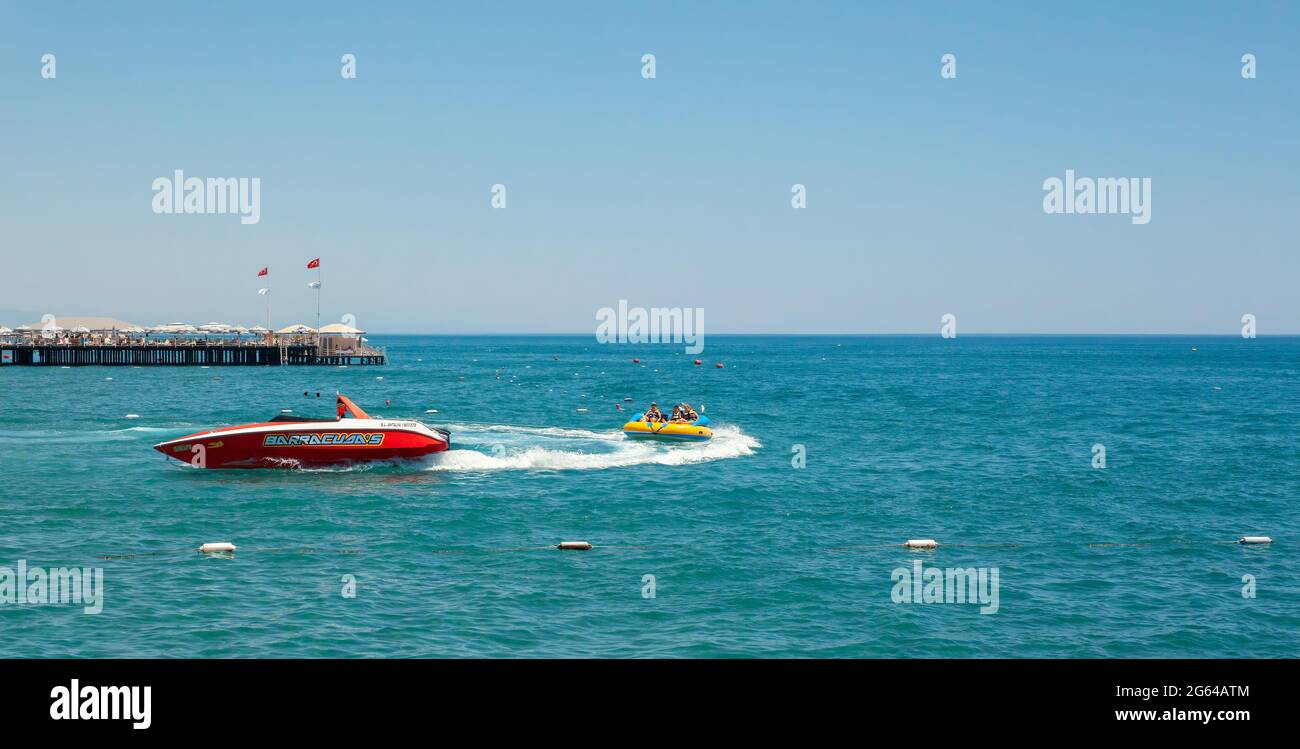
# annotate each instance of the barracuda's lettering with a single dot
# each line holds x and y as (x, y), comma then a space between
(324, 438)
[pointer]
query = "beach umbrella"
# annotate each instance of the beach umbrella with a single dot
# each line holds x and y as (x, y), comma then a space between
(259, 329)
(81, 329)
(5, 331)
(299, 328)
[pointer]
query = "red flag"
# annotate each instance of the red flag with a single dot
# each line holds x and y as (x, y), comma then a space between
(313, 264)
(263, 272)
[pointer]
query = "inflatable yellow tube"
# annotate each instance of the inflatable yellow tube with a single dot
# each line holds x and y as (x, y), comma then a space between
(666, 431)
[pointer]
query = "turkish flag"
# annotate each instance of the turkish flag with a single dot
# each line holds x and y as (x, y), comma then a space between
(263, 272)
(313, 264)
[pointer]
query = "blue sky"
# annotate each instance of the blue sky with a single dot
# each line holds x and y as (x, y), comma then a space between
(924, 194)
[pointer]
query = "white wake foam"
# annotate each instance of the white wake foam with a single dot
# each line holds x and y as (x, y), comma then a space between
(586, 434)
(47, 436)
(727, 442)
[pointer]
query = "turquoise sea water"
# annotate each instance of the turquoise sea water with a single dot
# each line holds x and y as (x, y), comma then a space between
(979, 442)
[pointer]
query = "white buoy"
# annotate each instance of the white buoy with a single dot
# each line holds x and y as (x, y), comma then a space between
(217, 547)
(133, 416)
(431, 411)
(581, 410)
(108, 379)
(574, 546)
(286, 410)
(1255, 540)
(921, 543)
(379, 378)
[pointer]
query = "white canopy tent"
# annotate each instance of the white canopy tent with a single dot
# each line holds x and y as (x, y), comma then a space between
(91, 324)
(338, 328)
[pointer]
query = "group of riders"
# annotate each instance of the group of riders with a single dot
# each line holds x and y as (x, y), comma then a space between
(682, 414)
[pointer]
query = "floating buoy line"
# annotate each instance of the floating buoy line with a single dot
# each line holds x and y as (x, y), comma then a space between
(929, 544)
(227, 549)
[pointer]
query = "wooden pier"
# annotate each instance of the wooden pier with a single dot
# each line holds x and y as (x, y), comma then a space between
(37, 355)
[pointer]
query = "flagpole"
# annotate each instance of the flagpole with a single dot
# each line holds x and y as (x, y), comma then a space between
(266, 292)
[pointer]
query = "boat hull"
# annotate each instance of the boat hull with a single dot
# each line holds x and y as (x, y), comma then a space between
(306, 444)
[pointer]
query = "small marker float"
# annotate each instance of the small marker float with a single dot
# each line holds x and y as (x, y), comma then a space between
(217, 548)
(1255, 540)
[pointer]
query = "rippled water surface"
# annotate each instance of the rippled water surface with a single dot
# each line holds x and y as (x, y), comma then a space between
(984, 443)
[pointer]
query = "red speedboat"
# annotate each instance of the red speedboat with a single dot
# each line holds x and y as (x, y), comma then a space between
(294, 441)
